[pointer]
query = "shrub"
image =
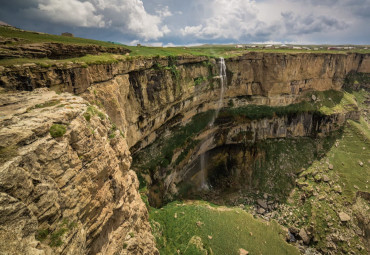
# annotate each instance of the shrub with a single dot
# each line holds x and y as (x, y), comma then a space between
(58, 130)
(92, 111)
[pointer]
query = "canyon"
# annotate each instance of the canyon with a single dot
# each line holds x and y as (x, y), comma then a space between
(159, 118)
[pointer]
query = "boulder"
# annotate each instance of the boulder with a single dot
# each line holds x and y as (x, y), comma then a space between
(303, 235)
(243, 252)
(344, 217)
(325, 178)
(261, 211)
(262, 203)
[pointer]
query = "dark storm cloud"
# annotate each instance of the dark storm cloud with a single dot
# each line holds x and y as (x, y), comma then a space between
(295, 24)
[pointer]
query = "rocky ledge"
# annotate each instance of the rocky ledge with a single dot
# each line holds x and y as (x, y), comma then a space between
(65, 181)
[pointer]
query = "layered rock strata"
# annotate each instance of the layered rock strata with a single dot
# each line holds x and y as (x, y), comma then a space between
(65, 181)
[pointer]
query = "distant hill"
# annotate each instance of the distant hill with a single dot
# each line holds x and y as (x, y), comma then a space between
(2, 23)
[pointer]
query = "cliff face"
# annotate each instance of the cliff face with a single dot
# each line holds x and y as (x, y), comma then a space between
(65, 179)
(140, 95)
(77, 194)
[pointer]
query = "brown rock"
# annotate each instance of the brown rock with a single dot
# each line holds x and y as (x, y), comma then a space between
(261, 211)
(344, 217)
(243, 252)
(303, 235)
(82, 179)
(262, 203)
(331, 167)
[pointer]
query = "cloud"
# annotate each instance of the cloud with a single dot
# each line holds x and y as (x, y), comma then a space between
(127, 16)
(225, 19)
(130, 16)
(194, 21)
(69, 12)
(297, 24)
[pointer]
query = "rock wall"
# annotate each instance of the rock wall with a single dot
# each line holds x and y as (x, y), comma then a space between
(141, 94)
(76, 193)
(71, 193)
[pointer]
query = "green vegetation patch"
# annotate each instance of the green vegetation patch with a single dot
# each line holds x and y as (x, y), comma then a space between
(198, 228)
(325, 103)
(160, 153)
(55, 237)
(316, 202)
(92, 111)
(355, 79)
(49, 103)
(274, 172)
(199, 80)
(57, 130)
(35, 37)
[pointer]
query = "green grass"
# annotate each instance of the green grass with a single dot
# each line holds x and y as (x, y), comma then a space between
(92, 111)
(274, 172)
(34, 37)
(353, 148)
(57, 130)
(347, 178)
(84, 61)
(328, 102)
(229, 228)
(217, 51)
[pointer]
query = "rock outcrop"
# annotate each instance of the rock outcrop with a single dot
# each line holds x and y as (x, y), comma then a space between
(65, 181)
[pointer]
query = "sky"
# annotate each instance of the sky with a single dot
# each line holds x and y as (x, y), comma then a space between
(191, 22)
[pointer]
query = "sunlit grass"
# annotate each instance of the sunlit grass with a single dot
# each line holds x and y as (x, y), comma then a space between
(221, 230)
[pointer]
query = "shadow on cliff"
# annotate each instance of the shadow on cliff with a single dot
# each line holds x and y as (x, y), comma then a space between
(271, 166)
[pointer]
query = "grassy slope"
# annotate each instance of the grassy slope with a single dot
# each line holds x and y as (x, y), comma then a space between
(321, 210)
(35, 37)
(229, 228)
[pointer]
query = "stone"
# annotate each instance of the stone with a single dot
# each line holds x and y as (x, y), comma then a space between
(325, 178)
(331, 167)
(199, 223)
(344, 217)
(261, 211)
(361, 163)
(314, 98)
(262, 203)
(210, 237)
(243, 252)
(303, 235)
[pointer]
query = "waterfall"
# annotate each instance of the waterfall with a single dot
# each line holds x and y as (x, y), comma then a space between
(223, 81)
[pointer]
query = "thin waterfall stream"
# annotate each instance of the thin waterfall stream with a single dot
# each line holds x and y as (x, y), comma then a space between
(203, 163)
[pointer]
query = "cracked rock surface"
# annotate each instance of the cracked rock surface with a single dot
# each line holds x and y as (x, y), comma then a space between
(73, 194)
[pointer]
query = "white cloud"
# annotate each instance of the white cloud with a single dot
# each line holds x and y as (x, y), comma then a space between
(192, 30)
(127, 16)
(165, 12)
(130, 16)
(228, 19)
(71, 12)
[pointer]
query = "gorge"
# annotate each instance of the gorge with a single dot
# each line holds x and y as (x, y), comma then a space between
(260, 126)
